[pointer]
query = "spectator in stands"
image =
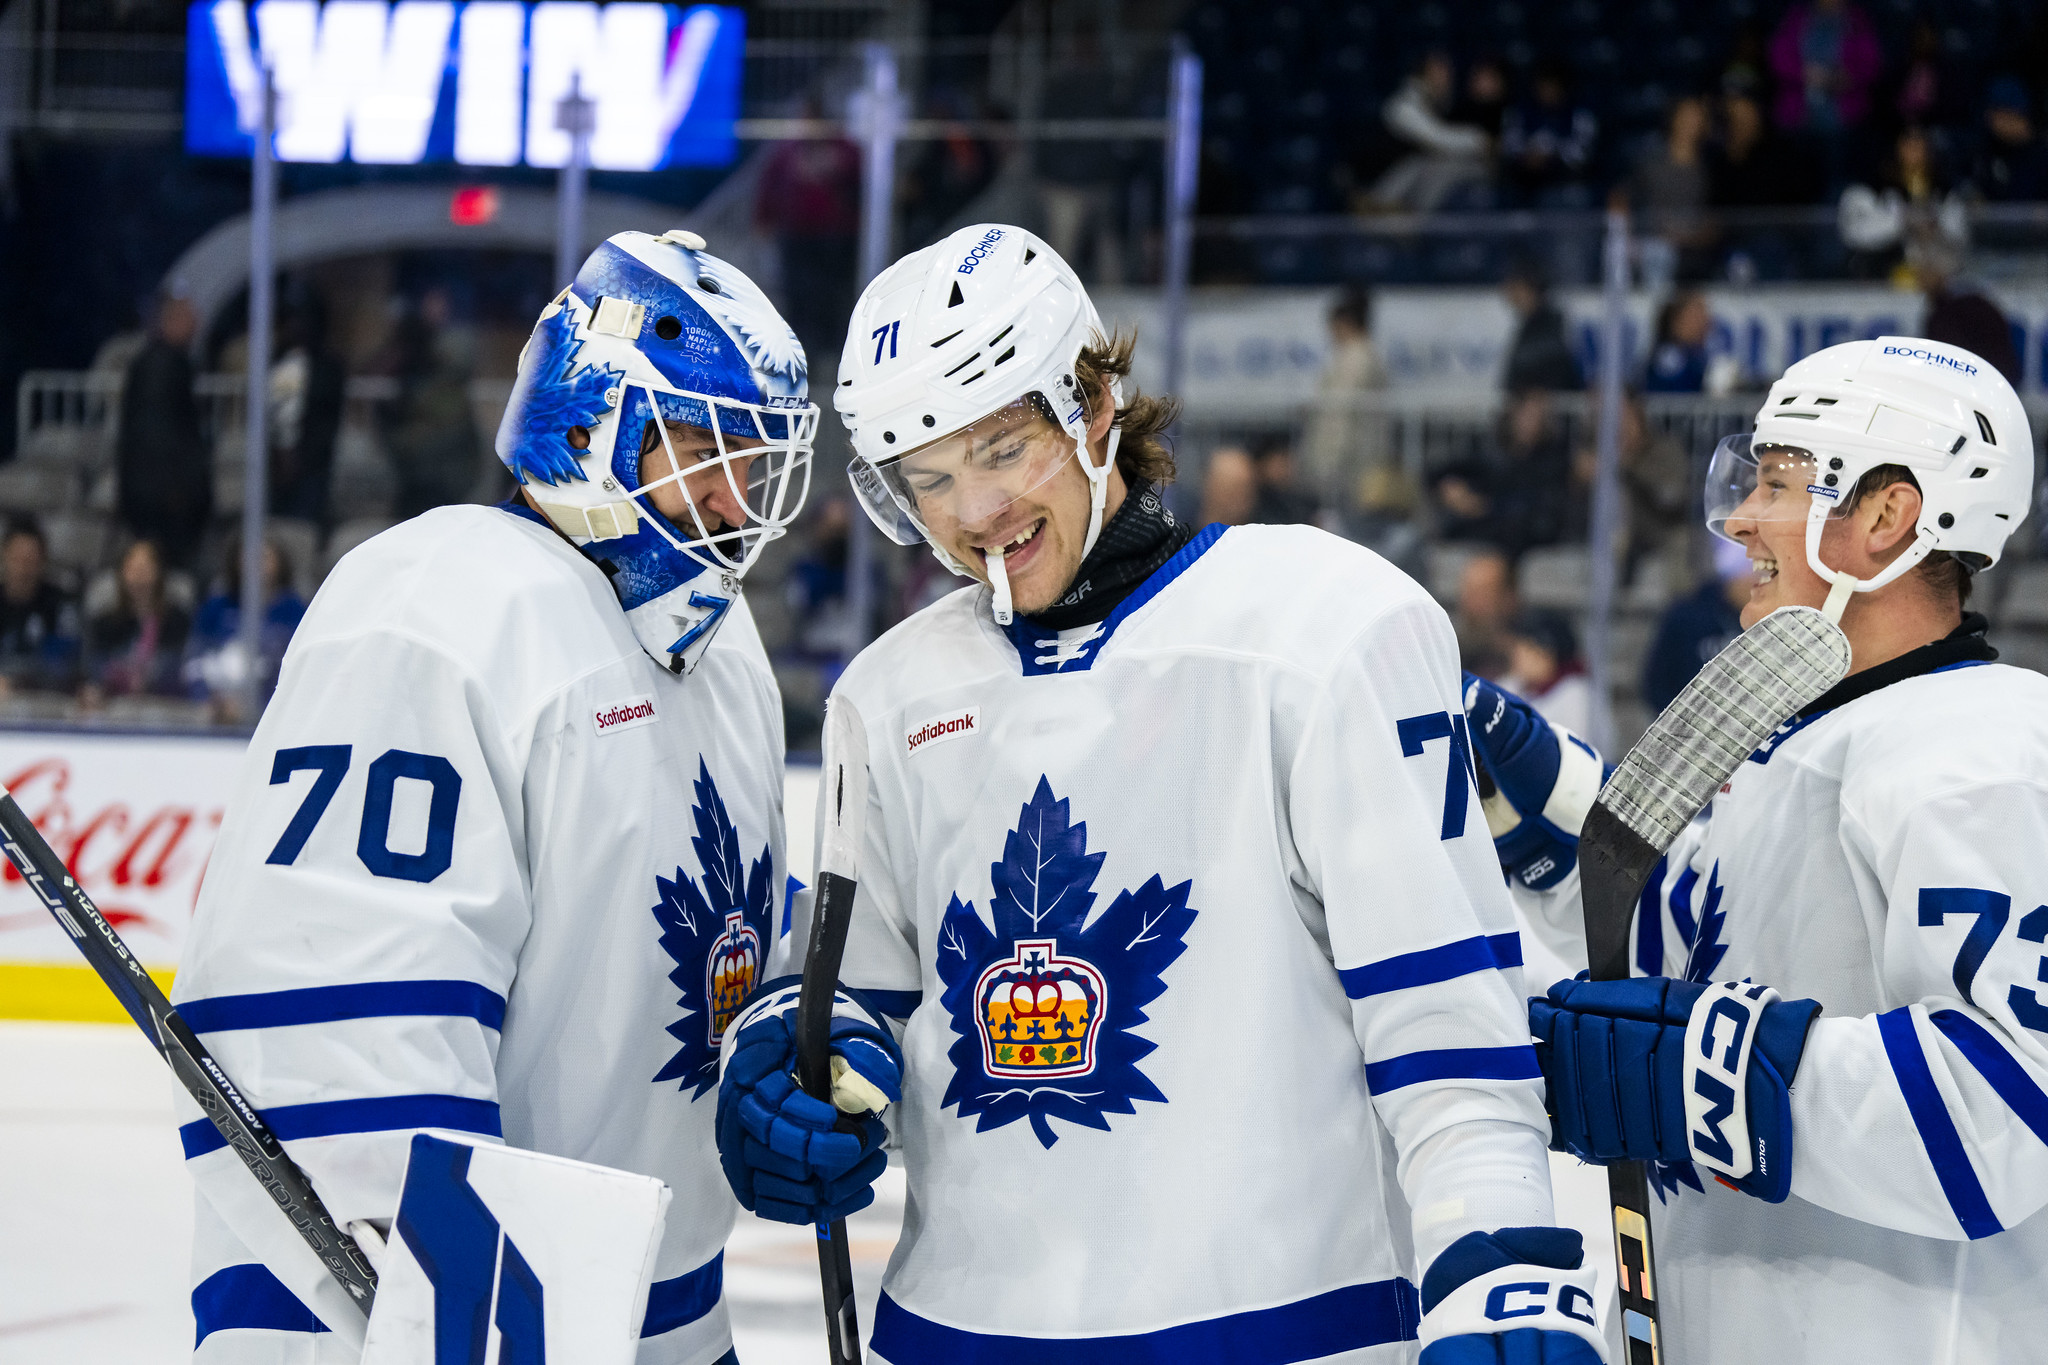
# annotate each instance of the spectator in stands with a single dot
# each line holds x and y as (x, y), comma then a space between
(823, 624)
(1485, 103)
(1544, 668)
(1517, 499)
(808, 200)
(1384, 521)
(1958, 312)
(1539, 357)
(1281, 500)
(306, 390)
(1487, 600)
(163, 469)
(1547, 143)
(1078, 180)
(1755, 166)
(430, 430)
(1915, 203)
(1697, 626)
(135, 647)
(1230, 487)
(1668, 188)
(216, 665)
(2012, 160)
(1444, 156)
(1826, 58)
(1657, 492)
(38, 620)
(1678, 357)
(1922, 97)
(1340, 437)
(945, 173)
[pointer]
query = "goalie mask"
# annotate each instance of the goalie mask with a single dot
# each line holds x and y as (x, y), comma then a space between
(1938, 410)
(958, 389)
(664, 361)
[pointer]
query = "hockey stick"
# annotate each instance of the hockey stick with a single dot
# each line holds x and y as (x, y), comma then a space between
(1761, 680)
(238, 1122)
(845, 817)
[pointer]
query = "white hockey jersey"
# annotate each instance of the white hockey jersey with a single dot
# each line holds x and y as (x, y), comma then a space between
(1215, 1025)
(489, 869)
(1888, 858)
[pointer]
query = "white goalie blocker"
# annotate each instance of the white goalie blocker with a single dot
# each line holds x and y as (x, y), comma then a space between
(508, 1257)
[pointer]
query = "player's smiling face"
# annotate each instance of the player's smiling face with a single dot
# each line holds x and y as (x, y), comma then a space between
(1770, 525)
(1011, 482)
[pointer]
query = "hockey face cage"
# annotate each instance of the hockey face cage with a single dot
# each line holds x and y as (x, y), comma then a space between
(759, 457)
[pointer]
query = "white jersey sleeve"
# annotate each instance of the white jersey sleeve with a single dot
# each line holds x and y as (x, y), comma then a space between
(1392, 846)
(357, 935)
(1932, 1117)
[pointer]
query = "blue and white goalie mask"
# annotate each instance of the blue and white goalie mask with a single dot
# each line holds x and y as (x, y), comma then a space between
(663, 377)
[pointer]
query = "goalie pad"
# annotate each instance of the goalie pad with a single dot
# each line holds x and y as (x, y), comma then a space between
(514, 1257)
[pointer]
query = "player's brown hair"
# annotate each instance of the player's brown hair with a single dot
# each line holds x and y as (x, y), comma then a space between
(1944, 573)
(1143, 453)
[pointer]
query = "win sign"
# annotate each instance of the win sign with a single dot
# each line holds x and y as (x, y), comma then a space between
(475, 83)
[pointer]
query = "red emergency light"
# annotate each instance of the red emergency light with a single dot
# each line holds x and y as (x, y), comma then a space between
(473, 205)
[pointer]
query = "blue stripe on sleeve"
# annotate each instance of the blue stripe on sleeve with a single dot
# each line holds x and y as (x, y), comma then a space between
(1937, 1130)
(1341, 1321)
(1453, 1064)
(895, 1004)
(1428, 966)
(362, 1000)
(1996, 1065)
(248, 1296)
(684, 1299)
(331, 1118)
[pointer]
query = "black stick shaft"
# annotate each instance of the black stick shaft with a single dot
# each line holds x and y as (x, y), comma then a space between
(238, 1122)
(834, 913)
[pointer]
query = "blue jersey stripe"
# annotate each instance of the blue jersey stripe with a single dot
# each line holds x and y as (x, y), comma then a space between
(1024, 634)
(682, 1300)
(1427, 966)
(1453, 1064)
(248, 1296)
(331, 1118)
(1996, 1065)
(361, 1000)
(1937, 1130)
(1348, 1319)
(895, 1004)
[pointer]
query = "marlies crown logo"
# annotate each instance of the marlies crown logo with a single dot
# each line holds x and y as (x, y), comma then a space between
(1040, 1012)
(1045, 1004)
(714, 928)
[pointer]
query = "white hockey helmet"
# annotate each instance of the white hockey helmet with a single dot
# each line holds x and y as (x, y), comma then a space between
(969, 336)
(1939, 410)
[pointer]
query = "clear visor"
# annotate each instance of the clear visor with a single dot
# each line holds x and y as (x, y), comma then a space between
(964, 484)
(1756, 481)
(743, 469)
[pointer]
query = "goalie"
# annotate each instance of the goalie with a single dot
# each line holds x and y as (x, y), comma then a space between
(1836, 1054)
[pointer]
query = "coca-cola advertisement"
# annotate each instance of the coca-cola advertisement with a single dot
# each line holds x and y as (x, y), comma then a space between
(134, 817)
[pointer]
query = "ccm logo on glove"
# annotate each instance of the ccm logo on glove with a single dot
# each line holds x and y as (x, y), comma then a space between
(1533, 1297)
(629, 714)
(1718, 1040)
(939, 729)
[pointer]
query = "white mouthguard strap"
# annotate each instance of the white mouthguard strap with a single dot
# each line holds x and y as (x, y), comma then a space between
(999, 583)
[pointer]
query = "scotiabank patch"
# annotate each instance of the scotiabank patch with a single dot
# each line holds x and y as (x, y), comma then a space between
(615, 716)
(939, 729)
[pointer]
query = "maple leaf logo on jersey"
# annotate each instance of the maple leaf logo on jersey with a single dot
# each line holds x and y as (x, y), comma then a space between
(1045, 1004)
(717, 934)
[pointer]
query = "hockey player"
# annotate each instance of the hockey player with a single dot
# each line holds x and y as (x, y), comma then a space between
(1839, 1046)
(507, 850)
(1172, 884)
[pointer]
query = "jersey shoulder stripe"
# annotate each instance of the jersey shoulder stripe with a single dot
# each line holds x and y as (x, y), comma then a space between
(1517, 1063)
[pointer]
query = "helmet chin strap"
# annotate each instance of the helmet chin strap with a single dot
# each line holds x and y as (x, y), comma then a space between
(1843, 584)
(1098, 485)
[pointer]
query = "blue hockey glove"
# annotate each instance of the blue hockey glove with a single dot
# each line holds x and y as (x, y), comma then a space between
(1517, 1296)
(1543, 780)
(1656, 1069)
(790, 1157)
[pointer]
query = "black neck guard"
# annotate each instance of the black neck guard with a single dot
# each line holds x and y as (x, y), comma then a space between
(1137, 540)
(1964, 644)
